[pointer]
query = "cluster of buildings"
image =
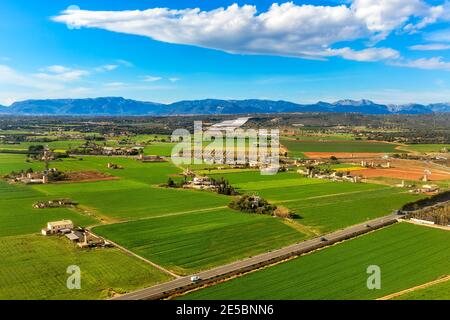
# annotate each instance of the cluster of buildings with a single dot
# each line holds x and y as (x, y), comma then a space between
(32, 177)
(151, 158)
(95, 149)
(201, 183)
(372, 164)
(121, 151)
(330, 175)
(53, 204)
(429, 189)
(82, 237)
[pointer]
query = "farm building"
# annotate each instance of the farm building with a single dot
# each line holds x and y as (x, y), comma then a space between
(151, 158)
(57, 226)
(429, 188)
(86, 239)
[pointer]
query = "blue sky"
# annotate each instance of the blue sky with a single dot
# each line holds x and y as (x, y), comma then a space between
(394, 51)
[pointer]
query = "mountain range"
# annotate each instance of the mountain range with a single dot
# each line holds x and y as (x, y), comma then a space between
(118, 106)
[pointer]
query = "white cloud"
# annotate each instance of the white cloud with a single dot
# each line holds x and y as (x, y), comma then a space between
(106, 67)
(434, 63)
(439, 36)
(431, 15)
(174, 79)
(430, 47)
(383, 16)
(61, 74)
(125, 63)
(287, 29)
(369, 54)
(115, 84)
(55, 69)
(151, 78)
(9, 76)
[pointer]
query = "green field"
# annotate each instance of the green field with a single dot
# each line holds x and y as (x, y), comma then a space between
(323, 137)
(182, 230)
(159, 148)
(440, 291)
(150, 173)
(191, 242)
(297, 147)
(408, 255)
(322, 205)
(58, 145)
(136, 188)
(330, 213)
(17, 216)
(427, 147)
(34, 267)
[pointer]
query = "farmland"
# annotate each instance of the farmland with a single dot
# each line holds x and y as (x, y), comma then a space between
(186, 231)
(440, 291)
(296, 148)
(320, 204)
(114, 200)
(426, 147)
(41, 265)
(339, 272)
(19, 217)
(191, 242)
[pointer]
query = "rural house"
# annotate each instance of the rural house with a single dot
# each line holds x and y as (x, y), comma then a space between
(57, 226)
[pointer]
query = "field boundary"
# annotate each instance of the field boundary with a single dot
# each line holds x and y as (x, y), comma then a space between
(422, 286)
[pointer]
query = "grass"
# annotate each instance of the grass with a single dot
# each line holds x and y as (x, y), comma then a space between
(19, 217)
(296, 148)
(159, 148)
(150, 173)
(440, 291)
(332, 212)
(125, 200)
(34, 267)
(58, 145)
(323, 205)
(324, 137)
(408, 255)
(427, 147)
(197, 241)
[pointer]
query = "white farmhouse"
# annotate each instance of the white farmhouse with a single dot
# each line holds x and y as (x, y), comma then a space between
(57, 226)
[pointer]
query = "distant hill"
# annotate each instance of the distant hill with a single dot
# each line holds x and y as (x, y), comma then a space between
(96, 106)
(440, 107)
(118, 106)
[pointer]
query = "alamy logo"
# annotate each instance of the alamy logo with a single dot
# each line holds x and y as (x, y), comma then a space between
(226, 143)
(374, 280)
(74, 280)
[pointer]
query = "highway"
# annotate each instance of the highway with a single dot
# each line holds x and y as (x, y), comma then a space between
(184, 284)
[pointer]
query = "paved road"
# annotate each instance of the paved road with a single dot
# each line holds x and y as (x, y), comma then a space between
(183, 284)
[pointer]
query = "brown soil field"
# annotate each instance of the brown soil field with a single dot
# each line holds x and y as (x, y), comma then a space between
(343, 155)
(407, 170)
(87, 176)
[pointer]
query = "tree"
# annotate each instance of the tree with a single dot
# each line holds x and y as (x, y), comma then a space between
(170, 183)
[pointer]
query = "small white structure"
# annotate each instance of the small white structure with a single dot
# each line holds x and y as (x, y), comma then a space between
(429, 188)
(422, 221)
(57, 226)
